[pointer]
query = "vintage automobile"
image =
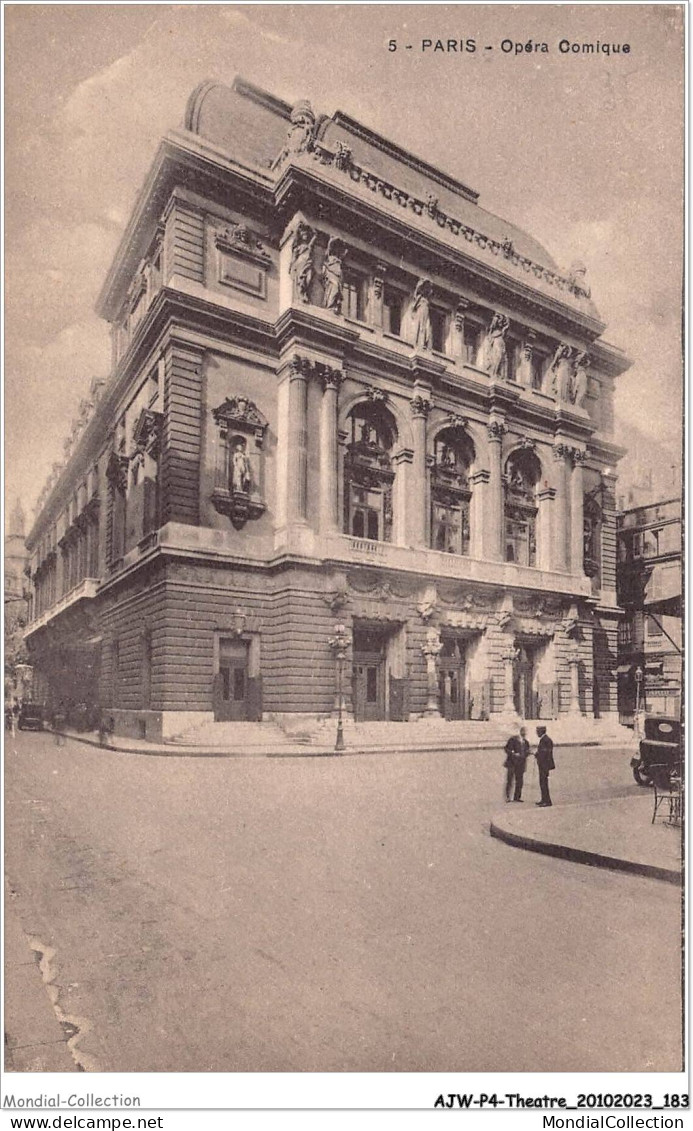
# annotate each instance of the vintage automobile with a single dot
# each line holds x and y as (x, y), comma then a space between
(30, 717)
(661, 744)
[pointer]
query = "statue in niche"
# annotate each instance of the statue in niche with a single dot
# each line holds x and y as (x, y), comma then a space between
(492, 352)
(579, 383)
(421, 314)
(524, 369)
(302, 268)
(332, 273)
(577, 280)
(240, 467)
(561, 373)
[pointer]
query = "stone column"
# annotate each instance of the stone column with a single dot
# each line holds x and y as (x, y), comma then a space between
(477, 509)
(493, 508)
(331, 380)
(577, 495)
(574, 662)
(417, 500)
(431, 650)
(561, 560)
(297, 453)
(545, 535)
(509, 658)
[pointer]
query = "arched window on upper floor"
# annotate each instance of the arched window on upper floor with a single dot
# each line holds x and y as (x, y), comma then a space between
(522, 474)
(368, 473)
(453, 456)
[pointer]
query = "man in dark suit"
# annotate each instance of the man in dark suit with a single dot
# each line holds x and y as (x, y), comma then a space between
(516, 753)
(545, 762)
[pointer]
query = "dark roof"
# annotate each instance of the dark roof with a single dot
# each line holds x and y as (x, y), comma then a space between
(252, 125)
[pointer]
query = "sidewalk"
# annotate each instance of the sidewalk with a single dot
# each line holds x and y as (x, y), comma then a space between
(35, 1041)
(289, 749)
(616, 833)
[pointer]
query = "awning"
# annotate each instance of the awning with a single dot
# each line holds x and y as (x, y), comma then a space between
(655, 668)
(663, 590)
(623, 668)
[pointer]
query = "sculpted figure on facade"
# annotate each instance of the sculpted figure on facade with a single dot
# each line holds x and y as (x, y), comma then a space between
(523, 375)
(421, 314)
(580, 381)
(332, 275)
(240, 467)
(342, 156)
(561, 373)
(492, 352)
(431, 205)
(577, 280)
(299, 139)
(302, 268)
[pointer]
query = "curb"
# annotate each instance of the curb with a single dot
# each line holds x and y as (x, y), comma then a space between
(583, 856)
(171, 750)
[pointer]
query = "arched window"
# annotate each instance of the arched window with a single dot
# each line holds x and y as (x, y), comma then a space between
(368, 474)
(453, 455)
(522, 473)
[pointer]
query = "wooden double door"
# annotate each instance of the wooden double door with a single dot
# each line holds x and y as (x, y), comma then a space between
(452, 680)
(237, 696)
(375, 692)
(534, 698)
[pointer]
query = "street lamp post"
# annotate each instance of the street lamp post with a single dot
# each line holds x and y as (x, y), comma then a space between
(339, 644)
(639, 695)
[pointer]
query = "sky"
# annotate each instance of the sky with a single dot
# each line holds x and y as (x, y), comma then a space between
(583, 151)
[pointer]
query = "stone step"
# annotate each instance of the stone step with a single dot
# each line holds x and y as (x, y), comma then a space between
(231, 735)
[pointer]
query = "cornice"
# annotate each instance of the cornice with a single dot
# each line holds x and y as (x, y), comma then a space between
(297, 180)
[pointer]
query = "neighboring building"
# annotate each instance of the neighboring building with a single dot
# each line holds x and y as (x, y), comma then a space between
(342, 393)
(649, 589)
(16, 608)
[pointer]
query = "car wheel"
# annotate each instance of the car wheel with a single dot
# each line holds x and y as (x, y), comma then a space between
(641, 776)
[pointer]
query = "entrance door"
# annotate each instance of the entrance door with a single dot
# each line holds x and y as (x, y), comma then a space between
(451, 680)
(231, 681)
(525, 697)
(368, 675)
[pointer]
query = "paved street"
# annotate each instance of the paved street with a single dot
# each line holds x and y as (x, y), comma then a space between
(332, 914)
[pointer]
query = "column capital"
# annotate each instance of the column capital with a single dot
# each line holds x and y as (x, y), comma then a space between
(579, 456)
(329, 377)
(300, 368)
(562, 452)
(547, 493)
(420, 406)
(497, 430)
(481, 476)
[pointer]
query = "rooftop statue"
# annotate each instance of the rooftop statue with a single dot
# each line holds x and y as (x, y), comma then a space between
(577, 279)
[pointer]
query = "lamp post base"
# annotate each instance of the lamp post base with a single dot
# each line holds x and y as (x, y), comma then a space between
(339, 742)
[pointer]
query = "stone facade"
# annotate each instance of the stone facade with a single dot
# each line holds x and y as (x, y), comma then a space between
(650, 642)
(342, 394)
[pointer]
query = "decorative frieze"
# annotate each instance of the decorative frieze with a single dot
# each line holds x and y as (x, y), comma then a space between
(572, 285)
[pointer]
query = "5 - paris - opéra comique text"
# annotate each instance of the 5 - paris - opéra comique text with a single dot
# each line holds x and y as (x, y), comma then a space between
(510, 47)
